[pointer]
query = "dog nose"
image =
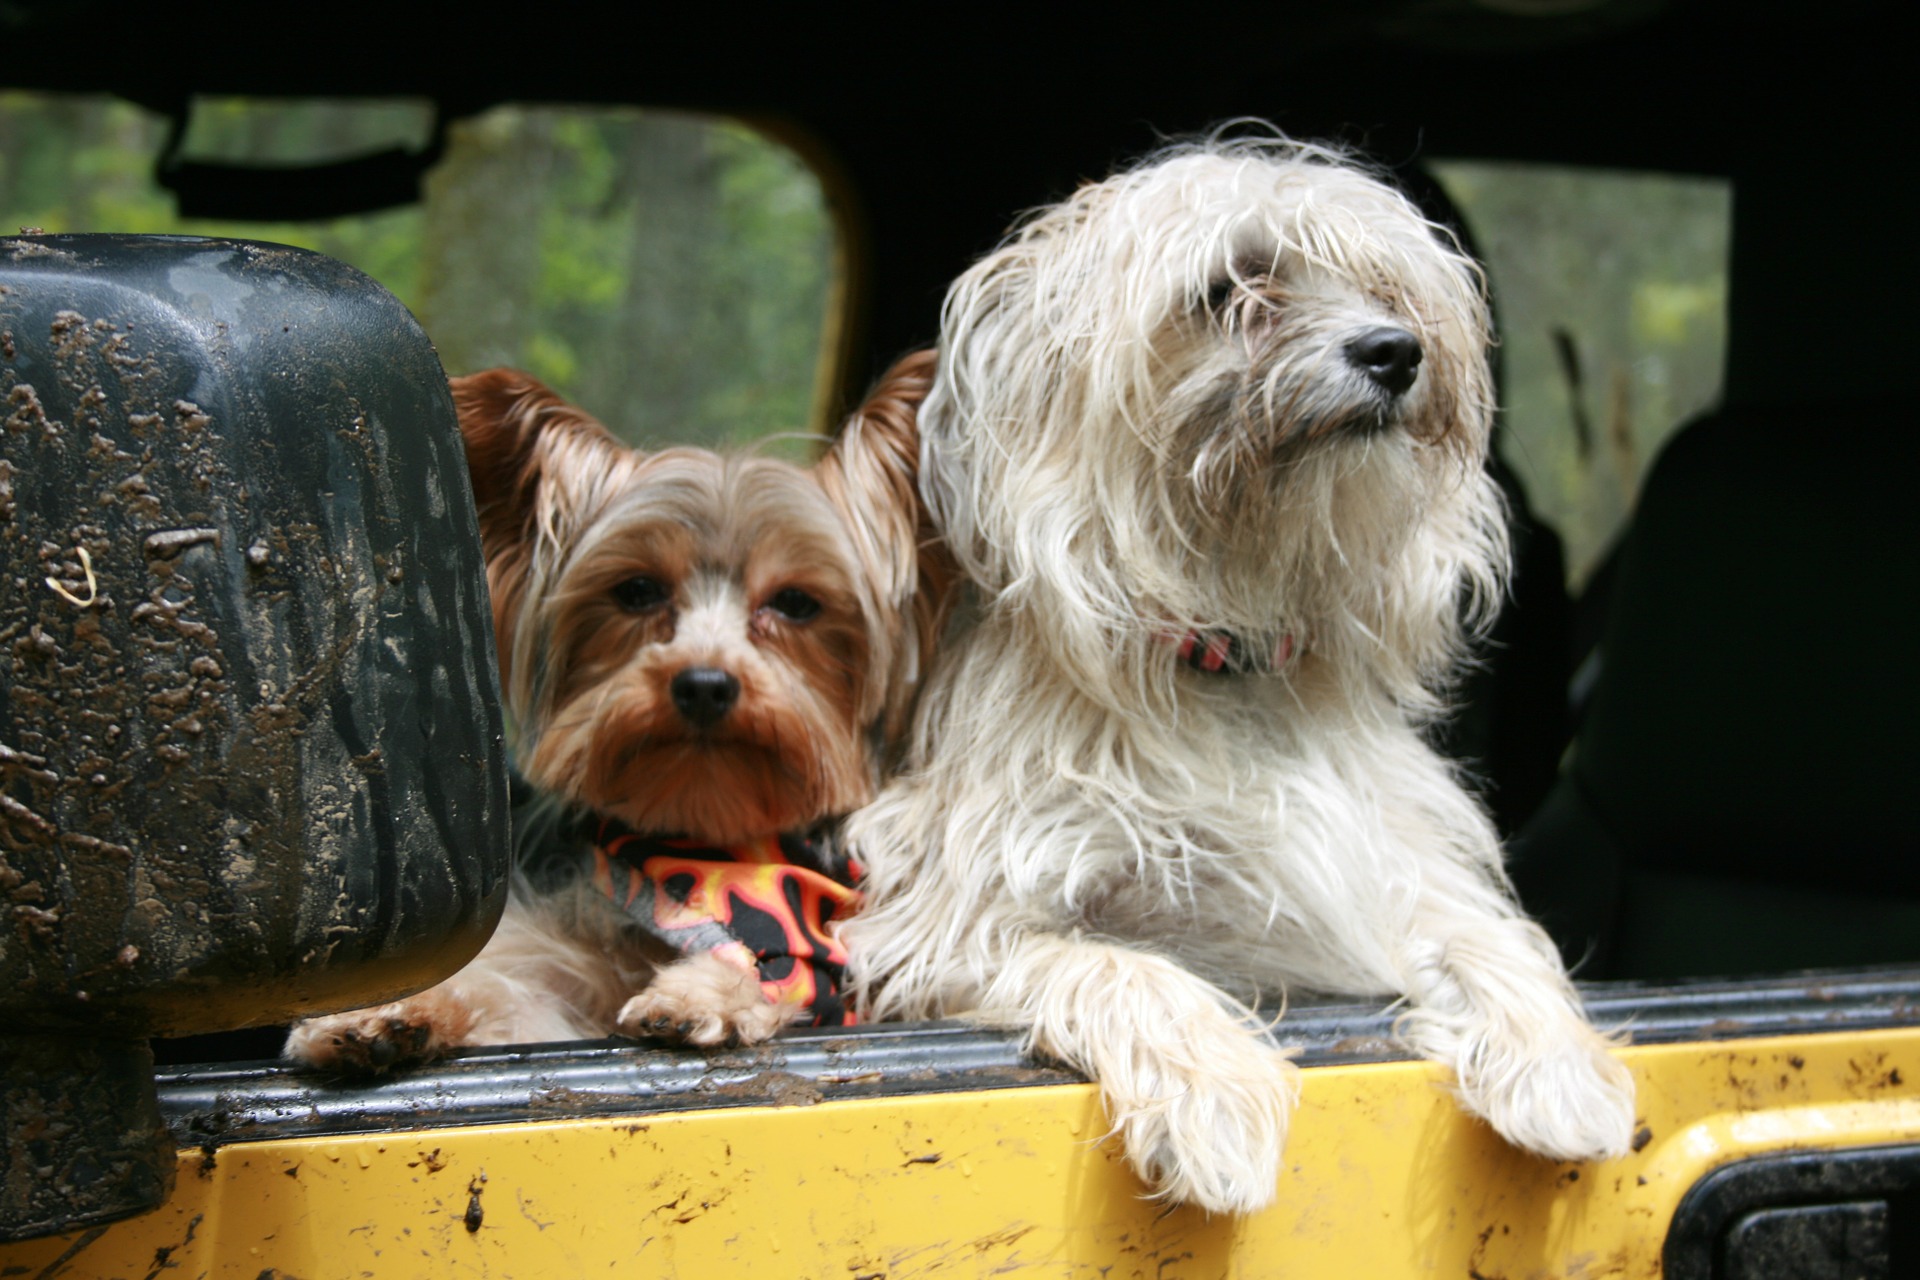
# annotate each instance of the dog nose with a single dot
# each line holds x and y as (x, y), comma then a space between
(1390, 356)
(704, 695)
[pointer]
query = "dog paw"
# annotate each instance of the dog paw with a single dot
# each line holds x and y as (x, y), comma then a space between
(706, 1001)
(1575, 1103)
(1211, 1133)
(371, 1041)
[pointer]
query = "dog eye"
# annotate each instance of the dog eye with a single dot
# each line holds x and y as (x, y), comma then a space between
(794, 605)
(1219, 292)
(640, 593)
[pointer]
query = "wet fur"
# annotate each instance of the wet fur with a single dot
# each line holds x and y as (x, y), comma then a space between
(1144, 424)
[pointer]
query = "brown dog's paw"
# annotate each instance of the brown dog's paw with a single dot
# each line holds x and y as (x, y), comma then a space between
(704, 1000)
(371, 1041)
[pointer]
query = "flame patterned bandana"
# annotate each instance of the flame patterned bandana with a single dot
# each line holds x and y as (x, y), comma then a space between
(764, 905)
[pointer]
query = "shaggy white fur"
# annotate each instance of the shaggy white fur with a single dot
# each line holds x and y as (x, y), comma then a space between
(1242, 389)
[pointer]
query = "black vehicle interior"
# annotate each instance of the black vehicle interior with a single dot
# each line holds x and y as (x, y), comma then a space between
(1728, 796)
(1738, 780)
(1734, 801)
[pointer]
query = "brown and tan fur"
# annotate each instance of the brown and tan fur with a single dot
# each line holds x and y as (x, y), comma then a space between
(814, 593)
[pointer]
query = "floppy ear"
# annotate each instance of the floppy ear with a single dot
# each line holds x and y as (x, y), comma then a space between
(871, 475)
(535, 463)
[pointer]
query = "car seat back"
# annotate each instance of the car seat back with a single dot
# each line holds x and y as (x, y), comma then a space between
(1739, 794)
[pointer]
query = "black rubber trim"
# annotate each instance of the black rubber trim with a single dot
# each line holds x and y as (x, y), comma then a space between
(256, 1101)
(1714, 1203)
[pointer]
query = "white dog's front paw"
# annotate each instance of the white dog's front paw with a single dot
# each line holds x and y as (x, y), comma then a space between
(1207, 1126)
(1575, 1103)
(704, 1000)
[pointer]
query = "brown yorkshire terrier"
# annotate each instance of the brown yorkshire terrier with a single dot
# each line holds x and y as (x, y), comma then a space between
(704, 657)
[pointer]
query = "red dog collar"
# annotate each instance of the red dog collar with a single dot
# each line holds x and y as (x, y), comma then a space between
(1222, 653)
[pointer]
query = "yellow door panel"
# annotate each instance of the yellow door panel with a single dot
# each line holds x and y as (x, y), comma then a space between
(1385, 1177)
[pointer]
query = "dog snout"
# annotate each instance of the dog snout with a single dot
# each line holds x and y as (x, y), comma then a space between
(1389, 356)
(704, 695)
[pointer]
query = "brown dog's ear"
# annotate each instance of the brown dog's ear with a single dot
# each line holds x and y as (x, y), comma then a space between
(531, 458)
(508, 420)
(871, 475)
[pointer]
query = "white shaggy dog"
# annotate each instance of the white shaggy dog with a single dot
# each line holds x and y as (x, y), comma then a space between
(1207, 439)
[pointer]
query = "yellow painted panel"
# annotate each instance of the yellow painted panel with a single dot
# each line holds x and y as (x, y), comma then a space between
(1385, 1178)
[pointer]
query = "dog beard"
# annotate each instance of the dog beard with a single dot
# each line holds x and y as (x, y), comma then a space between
(766, 769)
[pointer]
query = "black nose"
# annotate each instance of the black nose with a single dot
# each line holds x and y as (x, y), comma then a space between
(704, 695)
(1391, 357)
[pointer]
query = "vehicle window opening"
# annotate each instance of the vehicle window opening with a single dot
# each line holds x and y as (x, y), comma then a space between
(1611, 294)
(677, 274)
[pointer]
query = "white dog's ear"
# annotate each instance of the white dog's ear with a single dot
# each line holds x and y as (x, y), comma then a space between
(871, 475)
(532, 459)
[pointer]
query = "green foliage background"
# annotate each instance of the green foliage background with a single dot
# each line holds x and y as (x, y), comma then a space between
(1630, 270)
(670, 273)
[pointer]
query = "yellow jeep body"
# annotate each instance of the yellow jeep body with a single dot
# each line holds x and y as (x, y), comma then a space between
(936, 1150)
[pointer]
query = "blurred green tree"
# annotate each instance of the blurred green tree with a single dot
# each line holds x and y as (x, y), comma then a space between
(670, 273)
